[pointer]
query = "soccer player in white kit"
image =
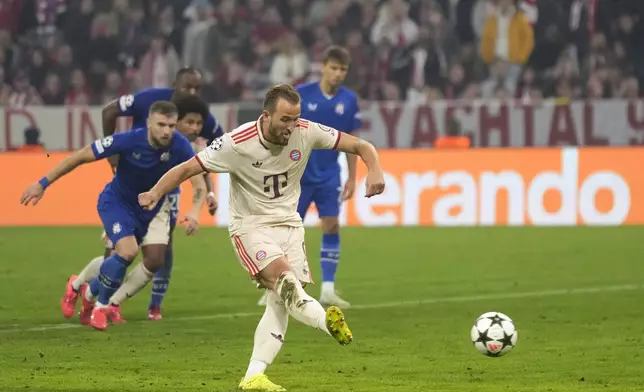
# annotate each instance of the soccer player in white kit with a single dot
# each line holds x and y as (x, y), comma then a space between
(266, 160)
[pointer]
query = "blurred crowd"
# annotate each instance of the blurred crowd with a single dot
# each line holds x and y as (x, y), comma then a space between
(56, 52)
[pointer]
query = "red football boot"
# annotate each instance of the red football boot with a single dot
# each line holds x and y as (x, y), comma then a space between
(114, 315)
(99, 318)
(70, 299)
(85, 315)
(154, 313)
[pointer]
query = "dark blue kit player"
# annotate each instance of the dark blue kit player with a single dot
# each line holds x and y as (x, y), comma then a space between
(187, 82)
(146, 154)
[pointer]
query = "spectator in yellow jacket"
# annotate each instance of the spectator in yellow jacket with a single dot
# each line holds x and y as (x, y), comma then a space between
(507, 36)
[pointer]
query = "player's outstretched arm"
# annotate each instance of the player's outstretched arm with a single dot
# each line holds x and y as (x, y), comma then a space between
(198, 200)
(211, 198)
(367, 152)
(350, 185)
(172, 179)
(36, 191)
(199, 191)
(214, 159)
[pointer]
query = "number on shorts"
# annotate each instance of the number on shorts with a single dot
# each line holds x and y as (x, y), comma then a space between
(174, 204)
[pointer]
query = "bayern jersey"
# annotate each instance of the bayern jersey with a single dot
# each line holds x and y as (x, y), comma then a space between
(340, 112)
(264, 177)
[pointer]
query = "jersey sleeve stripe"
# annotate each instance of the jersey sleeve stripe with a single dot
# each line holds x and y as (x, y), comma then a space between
(337, 141)
(244, 132)
(303, 123)
(201, 163)
(99, 147)
(243, 139)
(243, 255)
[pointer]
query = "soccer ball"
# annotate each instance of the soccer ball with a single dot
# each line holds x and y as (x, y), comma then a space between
(494, 334)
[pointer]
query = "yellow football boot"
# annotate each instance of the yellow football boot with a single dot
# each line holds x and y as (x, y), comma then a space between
(337, 325)
(260, 383)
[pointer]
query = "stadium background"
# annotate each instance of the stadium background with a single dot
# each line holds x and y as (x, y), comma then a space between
(555, 134)
(571, 75)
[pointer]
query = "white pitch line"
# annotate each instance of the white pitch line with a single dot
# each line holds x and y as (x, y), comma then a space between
(427, 301)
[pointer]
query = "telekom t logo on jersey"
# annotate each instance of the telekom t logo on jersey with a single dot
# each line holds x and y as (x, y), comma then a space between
(274, 182)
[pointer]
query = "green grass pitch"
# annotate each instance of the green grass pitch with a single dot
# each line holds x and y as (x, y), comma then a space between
(575, 294)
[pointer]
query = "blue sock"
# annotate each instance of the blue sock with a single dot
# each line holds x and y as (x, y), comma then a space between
(162, 280)
(94, 286)
(329, 256)
(109, 278)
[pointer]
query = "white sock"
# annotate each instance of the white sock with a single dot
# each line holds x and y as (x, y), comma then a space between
(328, 288)
(269, 335)
(88, 273)
(88, 295)
(137, 279)
(254, 368)
(299, 304)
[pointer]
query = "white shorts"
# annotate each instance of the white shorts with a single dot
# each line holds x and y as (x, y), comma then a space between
(258, 247)
(158, 229)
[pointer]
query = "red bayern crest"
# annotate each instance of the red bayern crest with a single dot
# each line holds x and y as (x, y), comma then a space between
(296, 155)
(260, 255)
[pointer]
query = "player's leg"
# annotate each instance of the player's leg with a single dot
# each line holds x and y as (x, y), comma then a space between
(90, 271)
(269, 337)
(327, 201)
(302, 306)
(160, 284)
(161, 280)
(76, 284)
(298, 263)
(123, 230)
(153, 246)
(261, 253)
(109, 279)
(261, 250)
(153, 260)
(306, 198)
(272, 269)
(92, 268)
(141, 275)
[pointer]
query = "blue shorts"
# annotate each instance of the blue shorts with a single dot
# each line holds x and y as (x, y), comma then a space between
(120, 220)
(325, 197)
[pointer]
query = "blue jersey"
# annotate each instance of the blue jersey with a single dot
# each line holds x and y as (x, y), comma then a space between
(140, 165)
(339, 112)
(138, 105)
